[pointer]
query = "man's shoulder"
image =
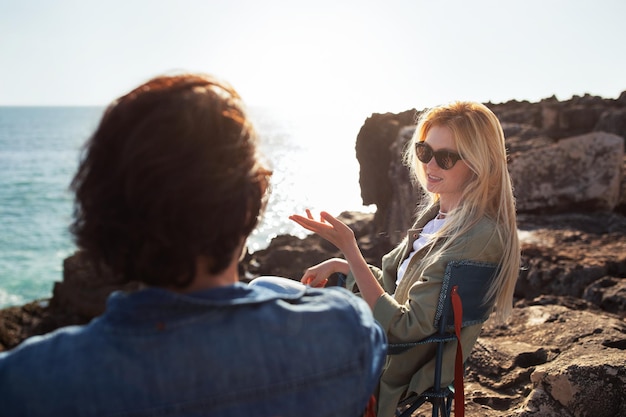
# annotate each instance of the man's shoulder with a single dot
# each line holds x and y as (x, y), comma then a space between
(35, 350)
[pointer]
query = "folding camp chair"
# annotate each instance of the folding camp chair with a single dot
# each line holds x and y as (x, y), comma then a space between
(460, 304)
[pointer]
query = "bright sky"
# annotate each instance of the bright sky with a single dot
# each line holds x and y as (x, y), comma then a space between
(377, 56)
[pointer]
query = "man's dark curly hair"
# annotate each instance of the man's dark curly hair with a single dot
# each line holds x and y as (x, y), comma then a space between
(170, 174)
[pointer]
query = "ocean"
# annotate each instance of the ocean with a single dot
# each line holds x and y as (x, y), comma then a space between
(311, 153)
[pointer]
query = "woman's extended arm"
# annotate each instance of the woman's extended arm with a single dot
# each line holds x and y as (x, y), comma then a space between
(340, 235)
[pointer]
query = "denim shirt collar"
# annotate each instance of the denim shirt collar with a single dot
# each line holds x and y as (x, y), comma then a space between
(152, 303)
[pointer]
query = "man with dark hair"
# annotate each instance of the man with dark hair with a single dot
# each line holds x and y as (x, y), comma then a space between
(169, 187)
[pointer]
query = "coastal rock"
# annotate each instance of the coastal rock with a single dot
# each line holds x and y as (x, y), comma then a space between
(582, 171)
(612, 121)
(406, 194)
(20, 322)
(575, 255)
(375, 156)
(561, 119)
(85, 288)
(550, 360)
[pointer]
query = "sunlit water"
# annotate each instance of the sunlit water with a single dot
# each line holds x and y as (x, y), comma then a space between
(312, 156)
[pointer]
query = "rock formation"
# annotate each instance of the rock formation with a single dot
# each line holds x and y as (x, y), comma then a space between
(582, 171)
(563, 351)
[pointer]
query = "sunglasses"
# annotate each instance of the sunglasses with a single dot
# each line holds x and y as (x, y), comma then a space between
(445, 159)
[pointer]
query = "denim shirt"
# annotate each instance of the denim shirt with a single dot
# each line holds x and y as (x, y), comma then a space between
(230, 351)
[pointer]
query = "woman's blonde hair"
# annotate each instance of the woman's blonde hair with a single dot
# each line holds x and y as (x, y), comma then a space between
(489, 193)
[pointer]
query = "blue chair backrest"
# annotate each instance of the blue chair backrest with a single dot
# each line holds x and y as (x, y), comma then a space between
(473, 280)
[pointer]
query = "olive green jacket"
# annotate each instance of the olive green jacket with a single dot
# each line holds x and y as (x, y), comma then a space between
(407, 313)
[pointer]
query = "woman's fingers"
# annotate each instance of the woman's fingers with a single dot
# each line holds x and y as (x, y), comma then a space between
(317, 276)
(312, 279)
(308, 224)
(314, 282)
(328, 227)
(327, 217)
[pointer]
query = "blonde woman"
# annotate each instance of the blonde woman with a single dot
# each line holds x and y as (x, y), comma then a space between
(458, 156)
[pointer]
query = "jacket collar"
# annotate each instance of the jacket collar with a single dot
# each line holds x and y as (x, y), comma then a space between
(428, 216)
(152, 303)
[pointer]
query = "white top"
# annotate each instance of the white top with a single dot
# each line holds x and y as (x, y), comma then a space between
(431, 227)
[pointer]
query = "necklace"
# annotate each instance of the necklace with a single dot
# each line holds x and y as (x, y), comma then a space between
(442, 214)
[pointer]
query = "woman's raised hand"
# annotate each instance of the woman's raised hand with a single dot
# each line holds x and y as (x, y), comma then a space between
(340, 235)
(328, 227)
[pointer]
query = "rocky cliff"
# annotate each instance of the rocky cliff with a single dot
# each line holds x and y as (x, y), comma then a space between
(563, 351)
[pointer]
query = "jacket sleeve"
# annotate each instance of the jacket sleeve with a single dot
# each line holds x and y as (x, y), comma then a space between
(414, 319)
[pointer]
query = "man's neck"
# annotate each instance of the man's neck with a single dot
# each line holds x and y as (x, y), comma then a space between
(204, 280)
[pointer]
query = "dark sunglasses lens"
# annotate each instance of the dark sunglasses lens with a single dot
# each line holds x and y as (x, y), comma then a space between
(424, 152)
(445, 160)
